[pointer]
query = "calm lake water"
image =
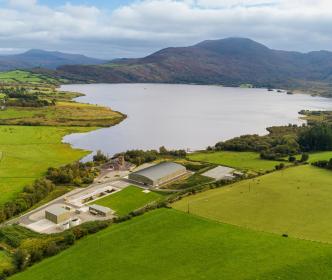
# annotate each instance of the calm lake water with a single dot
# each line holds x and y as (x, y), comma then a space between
(185, 116)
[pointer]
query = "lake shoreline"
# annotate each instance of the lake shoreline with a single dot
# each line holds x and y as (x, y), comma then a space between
(127, 102)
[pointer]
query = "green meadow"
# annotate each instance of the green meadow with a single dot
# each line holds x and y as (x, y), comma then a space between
(240, 160)
(26, 152)
(295, 201)
(320, 156)
(167, 244)
(128, 200)
(21, 76)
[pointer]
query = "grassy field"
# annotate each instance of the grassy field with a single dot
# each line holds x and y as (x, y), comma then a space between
(239, 160)
(320, 156)
(295, 201)
(26, 153)
(63, 114)
(21, 76)
(166, 244)
(129, 199)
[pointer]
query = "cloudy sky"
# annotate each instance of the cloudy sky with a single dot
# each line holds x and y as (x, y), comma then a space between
(133, 28)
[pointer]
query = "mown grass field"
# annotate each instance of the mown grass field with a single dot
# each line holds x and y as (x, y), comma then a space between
(320, 156)
(128, 200)
(167, 244)
(63, 114)
(21, 76)
(240, 160)
(26, 153)
(295, 201)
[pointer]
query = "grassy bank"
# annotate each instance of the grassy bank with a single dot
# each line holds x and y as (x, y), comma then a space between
(166, 244)
(295, 201)
(62, 114)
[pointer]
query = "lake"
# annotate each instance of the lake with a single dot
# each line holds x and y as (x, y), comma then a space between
(186, 116)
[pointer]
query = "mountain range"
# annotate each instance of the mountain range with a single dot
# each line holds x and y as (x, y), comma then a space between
(229, 62)
(45, 59)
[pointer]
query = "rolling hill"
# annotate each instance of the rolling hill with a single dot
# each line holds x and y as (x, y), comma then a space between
(167, 244)
(230, 62)
(44, 59)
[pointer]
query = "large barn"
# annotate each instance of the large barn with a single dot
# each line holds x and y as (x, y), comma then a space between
(158, 174)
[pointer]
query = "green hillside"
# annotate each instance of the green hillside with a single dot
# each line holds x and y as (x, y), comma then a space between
(21, 76)
(166, 244)
(295, 201)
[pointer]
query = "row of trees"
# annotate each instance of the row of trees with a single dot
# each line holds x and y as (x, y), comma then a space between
(139, 157)
(283, 141)
(77, 174)
(269, 147)
(21, 97)
(26, 199)
(327, 164)
(32, 247)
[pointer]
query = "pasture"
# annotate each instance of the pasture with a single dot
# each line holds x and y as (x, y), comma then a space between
(295, 201)
(21, 76)
(241, 160)
(128, 200)
(167, 244)
(320, 156)
(26, 152)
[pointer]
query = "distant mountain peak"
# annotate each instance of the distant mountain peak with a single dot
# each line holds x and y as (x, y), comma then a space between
(233, 45)
(46, 59)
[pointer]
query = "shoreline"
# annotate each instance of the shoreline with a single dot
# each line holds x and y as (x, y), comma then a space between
(299, 119)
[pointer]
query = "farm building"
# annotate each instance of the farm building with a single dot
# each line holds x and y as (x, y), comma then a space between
(100, 210)
(57, 214)
(158, 174)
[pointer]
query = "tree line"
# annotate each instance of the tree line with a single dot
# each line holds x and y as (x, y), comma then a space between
(282, 141)
(76, 174)
(21, 97)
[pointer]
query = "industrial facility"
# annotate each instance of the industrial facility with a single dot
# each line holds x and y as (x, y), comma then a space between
(57, 214)
(158, 174)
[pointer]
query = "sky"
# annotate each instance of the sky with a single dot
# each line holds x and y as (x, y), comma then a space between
(135, 28)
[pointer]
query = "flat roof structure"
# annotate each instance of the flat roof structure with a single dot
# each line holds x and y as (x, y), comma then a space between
(57, 214)
(101, 210)
(158, 174)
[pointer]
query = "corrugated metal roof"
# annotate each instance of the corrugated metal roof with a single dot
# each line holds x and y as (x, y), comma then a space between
(56, 210)
(160, 170)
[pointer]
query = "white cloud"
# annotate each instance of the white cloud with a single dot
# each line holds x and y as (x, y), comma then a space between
(22, 3)
(148, 25)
